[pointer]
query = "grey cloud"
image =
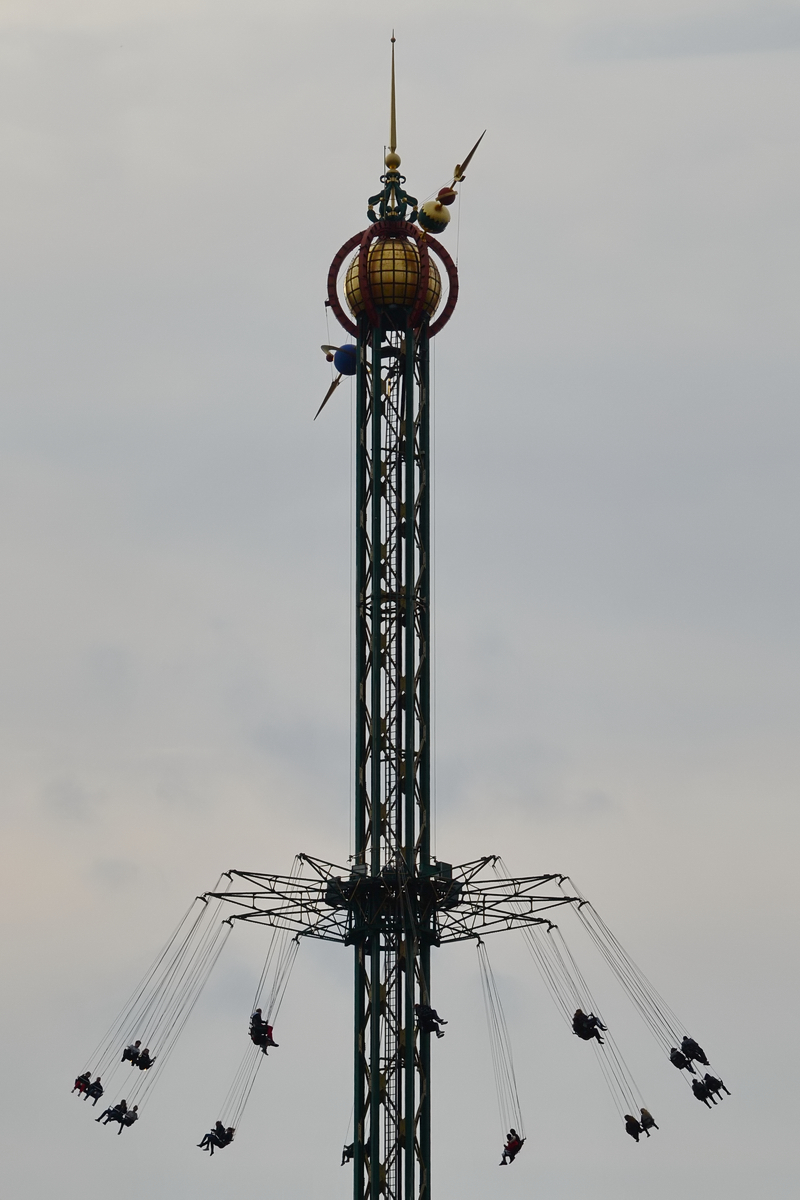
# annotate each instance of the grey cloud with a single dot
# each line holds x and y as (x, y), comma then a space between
(68, 800)
(759, 31)
(114, 873)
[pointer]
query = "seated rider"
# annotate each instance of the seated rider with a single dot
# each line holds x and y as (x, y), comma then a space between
(587, 1026)
(692, 1051)
(646, 1121)
(429, 1019)
(261, 1032)
(632, 1127)
(213, 1138)
(114, 1113)
(131, 1053)
(348, 1154)
(267, 1039)
(514, 1144)
(145, 1060)
(95, 1091)
(703, 1092)
(680, 1061)
(81, 1084)
(128, 1119)
(219, 1136)
(714, 1085)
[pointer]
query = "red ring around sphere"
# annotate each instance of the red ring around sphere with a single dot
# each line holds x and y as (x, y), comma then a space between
(425, 243)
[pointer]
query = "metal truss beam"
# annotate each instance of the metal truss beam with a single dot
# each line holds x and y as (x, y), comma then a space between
(452, 904)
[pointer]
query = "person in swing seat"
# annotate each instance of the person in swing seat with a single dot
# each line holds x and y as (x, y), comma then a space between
(632, 1127)
(714, 1085)
(219, 1136)
(128, 1119)
(261, 1032)
(680, 1060)
(703, 1092)
(145, 1060)
(267, 1039)
(348, 1154)
(514, 1144)
(81, 1084)
(114, 1112)
(429, 1019)
(94, 1091)
(587, 1026)
(213, 1138)
(131, 1053)
(694, 1052)
(646, 1121)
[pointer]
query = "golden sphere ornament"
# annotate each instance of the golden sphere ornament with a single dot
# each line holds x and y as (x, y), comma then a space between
(393, 276)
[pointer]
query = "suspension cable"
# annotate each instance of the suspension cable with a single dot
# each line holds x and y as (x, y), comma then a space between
(272, 984)
(500, 1045)
(159, 1007)
(665, 1026)
(570, 991)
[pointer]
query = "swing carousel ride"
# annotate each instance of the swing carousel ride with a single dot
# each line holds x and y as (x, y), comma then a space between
(392, 287)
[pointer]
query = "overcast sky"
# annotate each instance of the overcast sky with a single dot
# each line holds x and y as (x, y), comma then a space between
(616, 427)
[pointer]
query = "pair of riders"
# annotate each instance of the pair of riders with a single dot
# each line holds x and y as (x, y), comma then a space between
(587, 1026)
(137, 1057)
(514, 1144)
(84, 1087)
(429, 1020)
(708, 1089)
(644, 1124)
(261, 1032)
(218, 1137)
(120, 1113)
(689, 1052)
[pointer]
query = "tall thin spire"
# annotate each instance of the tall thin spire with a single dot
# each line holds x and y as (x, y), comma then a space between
(393, 119)
(393, 202)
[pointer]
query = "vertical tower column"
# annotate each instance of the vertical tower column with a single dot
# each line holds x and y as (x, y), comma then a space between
(424, 751)
(392, 852)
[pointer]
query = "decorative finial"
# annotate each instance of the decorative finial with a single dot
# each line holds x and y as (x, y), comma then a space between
(393, 202)
(458, 173)
(433, 215)
(393, 155)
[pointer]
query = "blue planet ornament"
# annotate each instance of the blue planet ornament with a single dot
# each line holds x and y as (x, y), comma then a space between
(344, 359)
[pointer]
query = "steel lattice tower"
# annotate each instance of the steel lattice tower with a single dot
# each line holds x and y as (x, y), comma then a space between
(392, 288)
(393, 902)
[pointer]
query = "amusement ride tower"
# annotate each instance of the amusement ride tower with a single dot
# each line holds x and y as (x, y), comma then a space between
(394, 901)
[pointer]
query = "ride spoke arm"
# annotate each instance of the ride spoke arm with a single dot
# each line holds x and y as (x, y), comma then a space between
(495, 905)
(287, 902)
